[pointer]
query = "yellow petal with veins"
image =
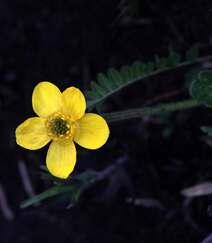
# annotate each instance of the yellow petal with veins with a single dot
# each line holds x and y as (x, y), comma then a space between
(46, 99)
(61, 158)
(32, 134)
(92, 131)
(74, 103)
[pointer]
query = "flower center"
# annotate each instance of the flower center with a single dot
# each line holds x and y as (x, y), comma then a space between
(60, 126)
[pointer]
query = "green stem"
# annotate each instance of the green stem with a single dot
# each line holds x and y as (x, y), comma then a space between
(140, 112)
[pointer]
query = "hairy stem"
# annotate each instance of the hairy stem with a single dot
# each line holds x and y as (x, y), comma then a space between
(141, 112)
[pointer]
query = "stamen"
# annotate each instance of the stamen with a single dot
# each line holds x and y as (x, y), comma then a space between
(60, 126)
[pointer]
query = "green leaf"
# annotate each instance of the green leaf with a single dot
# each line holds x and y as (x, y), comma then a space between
(138, 68)
(201, 88)
(105, 82)
(53, 191)
(93, 95)
(115, 80)
(98, 88)
(125, 72)
(192, 53)
(150, 67)
(73, 190)
(115, 76)
(173, 59)
(207, 130)
(160, 62)
(190, 76)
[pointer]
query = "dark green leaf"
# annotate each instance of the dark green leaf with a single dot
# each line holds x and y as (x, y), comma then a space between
(138, 68)
(114, 75)
(98, 88)
(173, 59)
(201, 88)
(110, 83)
(53, 191)
(105, 82)
(125, 73)
(93, 94)
(160, 62)
(192, 53)
(73, 190)
(207, 130)
(150, 66)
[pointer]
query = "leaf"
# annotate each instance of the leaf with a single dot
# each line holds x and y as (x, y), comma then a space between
(115, 76)
(201, 88)
(98, 88)
(190, 76)
(74, 190)
(160, 62)
(107, 83)
(53, 191)
(207, 130)
(201, 189)
(115, 80)
(192, 53)
(173, 59)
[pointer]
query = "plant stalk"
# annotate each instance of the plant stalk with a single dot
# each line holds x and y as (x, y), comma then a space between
(148, 111)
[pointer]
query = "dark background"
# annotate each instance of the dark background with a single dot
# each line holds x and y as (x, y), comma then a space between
(68, 43)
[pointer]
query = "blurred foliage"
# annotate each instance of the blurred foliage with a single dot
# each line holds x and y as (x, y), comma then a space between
(201, 88)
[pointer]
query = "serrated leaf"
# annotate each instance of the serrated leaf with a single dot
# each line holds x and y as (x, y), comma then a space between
(125, 73)
(97, 88)
(201, 88)
(93, 95)
(139, 68)
(114, 75)
(105, 82)
(110, 83)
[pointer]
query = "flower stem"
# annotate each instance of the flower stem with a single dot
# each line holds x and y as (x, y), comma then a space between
(141, 112)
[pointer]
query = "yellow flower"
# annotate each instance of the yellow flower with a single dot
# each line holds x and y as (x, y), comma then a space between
(62, 120)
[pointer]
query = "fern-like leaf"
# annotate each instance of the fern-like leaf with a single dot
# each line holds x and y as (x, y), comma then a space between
(114, 80)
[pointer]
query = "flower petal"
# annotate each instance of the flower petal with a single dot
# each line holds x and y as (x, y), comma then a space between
(75, 103)
(46, 99)
(61, 158)
(31, 134)
(92, 131)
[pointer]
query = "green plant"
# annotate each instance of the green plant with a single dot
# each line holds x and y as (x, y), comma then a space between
(114, 81)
